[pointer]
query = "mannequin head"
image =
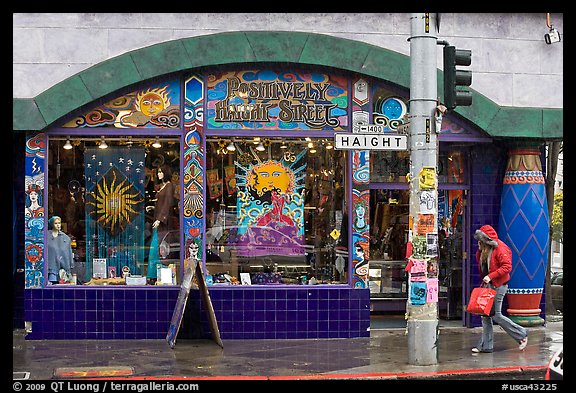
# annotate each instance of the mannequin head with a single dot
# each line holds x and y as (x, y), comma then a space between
(164, 173)
(55, 223)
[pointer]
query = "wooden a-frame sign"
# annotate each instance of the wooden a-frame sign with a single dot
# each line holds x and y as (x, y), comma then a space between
(181, 305)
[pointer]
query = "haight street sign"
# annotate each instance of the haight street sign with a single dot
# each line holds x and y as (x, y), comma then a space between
(371, 141)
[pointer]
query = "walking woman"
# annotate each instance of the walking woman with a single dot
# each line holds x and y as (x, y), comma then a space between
(495, 260)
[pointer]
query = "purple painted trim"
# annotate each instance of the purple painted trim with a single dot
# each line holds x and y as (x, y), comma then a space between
(350, 185)
(204, 187)
(116, 131)
(388, 186)
(448, 137)
(453, 186)
(68, 287)
(45, 206)
(270, 133)
(182, 81)
(278, 286)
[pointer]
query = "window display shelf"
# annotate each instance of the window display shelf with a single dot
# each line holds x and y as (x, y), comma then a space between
(387, 279)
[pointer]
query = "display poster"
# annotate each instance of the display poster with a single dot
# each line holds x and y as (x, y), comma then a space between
(214, 184)
(245, 279)
(270, 204)
(114, 201)
(99, 267)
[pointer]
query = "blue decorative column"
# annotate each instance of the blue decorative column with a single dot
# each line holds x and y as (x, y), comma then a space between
(524, 225)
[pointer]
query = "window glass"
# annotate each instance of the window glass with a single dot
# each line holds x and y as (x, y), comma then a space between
(389, 166)
(275, 211)
(389, 214)
(117, 199)
(450, 230)
(451, 167)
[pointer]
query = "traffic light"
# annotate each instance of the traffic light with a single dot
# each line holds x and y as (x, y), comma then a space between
(455, 78)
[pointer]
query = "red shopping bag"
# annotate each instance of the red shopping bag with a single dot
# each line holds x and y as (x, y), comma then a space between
(481, 301)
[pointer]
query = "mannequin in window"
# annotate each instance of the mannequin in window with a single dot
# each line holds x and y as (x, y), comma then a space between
(59, 250)
(164, 201)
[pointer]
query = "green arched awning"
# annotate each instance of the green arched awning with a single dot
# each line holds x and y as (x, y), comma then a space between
(34, 114)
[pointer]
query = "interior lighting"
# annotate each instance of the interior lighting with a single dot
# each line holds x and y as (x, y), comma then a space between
(68, 145)
(103, 144)
(260, 147)
(231, 146)
(157, 143)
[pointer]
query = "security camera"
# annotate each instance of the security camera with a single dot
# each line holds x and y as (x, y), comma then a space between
(552, 36)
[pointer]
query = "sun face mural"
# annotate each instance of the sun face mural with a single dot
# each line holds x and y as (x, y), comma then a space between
(152, 101)
(155, 106)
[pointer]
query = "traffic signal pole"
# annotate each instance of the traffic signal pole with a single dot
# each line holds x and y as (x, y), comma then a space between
(422, 314)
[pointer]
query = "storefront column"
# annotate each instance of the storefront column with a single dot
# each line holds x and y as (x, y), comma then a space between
(524, 226)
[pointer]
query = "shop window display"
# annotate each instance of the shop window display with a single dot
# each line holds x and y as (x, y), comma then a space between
(118, 200)
(275, 211)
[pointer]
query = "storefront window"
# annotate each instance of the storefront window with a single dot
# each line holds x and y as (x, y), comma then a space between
(117, 199)
(275, 211)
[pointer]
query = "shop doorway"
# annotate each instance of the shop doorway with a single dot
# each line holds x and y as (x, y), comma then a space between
(389, 211)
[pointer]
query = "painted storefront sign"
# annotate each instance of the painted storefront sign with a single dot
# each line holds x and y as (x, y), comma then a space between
(267, 99)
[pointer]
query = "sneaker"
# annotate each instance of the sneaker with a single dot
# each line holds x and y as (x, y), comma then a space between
(523, 343)
(475, 350)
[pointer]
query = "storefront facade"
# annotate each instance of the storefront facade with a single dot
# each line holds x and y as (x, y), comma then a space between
(297, 239)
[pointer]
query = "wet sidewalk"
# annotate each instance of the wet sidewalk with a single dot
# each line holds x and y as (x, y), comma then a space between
(381, 356)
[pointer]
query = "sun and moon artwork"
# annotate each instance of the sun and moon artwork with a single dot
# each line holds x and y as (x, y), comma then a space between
(155, 106)
(270, 203)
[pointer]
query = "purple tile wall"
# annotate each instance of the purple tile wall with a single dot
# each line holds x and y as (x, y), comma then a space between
(242, 313)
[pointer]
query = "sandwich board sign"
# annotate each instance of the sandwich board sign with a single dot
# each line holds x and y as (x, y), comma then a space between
(181, 305)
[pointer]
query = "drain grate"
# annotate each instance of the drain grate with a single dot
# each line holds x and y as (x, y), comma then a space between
(20, 375)
(91, 372)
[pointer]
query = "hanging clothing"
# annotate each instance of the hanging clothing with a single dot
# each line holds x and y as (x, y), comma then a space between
(59, 255)
(164, 203)
(153, 256)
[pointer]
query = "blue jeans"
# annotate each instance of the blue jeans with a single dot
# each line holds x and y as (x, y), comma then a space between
(515, 331)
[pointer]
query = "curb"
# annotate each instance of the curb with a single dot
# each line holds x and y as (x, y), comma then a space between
(525, 372)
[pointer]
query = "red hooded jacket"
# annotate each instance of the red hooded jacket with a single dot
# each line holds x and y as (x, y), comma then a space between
(501, 259)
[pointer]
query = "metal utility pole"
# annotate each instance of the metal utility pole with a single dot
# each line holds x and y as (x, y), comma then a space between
(422, 304)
